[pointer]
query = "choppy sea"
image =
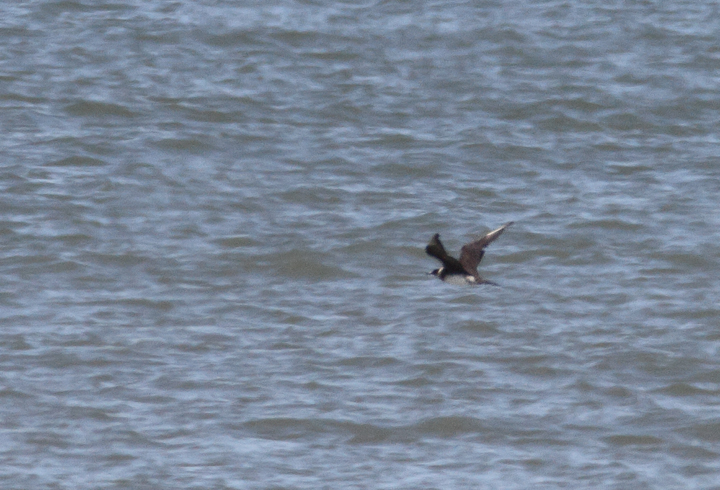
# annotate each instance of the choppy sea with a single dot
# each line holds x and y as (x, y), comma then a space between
(212, 226)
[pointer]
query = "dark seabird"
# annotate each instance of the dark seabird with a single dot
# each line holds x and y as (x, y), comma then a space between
(463, 271)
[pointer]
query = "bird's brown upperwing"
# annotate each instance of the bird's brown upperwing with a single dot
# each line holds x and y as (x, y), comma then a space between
(472, 253)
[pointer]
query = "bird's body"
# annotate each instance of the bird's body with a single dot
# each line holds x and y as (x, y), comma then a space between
(464, 270)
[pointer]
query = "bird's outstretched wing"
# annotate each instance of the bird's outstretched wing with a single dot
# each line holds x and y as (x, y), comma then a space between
(435, 249)
(472, 253)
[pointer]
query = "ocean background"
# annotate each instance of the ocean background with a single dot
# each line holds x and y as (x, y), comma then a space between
(212, 227)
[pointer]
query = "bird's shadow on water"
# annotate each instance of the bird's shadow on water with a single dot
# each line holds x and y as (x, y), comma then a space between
(456, 294)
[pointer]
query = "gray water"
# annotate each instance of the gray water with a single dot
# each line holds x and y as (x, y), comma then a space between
(213, 217)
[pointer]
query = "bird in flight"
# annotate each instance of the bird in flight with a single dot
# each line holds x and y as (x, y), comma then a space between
(463, 271)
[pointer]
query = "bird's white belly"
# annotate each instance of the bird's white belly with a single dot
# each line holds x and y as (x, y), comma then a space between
(459, 280)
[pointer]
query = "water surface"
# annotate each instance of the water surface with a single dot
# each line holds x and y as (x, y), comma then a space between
(211, 245)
